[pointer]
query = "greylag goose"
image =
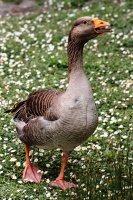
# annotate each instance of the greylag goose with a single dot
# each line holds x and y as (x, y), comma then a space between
(51, 119)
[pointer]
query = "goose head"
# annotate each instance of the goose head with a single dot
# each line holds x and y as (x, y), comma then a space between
(86, 28)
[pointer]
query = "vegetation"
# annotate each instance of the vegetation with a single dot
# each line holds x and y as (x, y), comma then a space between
(41, 2)
(12, 1)
(33, 56)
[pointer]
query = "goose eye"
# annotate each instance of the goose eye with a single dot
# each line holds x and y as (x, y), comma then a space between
(85, 22)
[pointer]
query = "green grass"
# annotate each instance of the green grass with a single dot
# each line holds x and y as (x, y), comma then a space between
(33, 56)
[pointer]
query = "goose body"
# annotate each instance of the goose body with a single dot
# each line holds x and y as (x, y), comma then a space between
(50, 119)
(76, 119)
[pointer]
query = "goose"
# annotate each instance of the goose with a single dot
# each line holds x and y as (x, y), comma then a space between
(50, 119)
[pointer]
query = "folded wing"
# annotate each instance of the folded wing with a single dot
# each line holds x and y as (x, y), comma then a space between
(39, 103)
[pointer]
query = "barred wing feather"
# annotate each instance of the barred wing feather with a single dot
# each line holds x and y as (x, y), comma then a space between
(37, 104)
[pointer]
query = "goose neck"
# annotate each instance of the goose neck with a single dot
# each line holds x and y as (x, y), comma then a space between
(75, 56)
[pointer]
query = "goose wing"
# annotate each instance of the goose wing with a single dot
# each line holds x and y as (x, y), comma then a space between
(37, 104)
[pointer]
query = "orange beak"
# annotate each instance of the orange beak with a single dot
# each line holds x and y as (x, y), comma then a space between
(99, 26)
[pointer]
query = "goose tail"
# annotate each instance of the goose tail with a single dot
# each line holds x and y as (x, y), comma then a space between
(19, 126)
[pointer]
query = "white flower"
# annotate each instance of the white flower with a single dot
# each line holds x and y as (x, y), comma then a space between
(124, 136)
(41, 150)
(14, 177)
(20, 182)
(61, 86)
(4, 146)
(36, 160)
(105, 134)
(84, 148)
(47, 181)
(97, 147)
(121, 126)
(111, 110)
(51, 47)
(113, 120)
(78, 148)
(47, 165)
(18, 164)
(48, 194)
(13, 159)
(30, 152)
(97, 102)
(97, 186)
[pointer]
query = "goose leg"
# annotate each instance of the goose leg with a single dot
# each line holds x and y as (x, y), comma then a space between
(30, 172)
(59, 182)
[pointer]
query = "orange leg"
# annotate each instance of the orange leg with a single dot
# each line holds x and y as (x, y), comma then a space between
(59, 182)
(30, 172)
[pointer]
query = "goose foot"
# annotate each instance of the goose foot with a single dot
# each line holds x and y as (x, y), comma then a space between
(62, 184)
(31, 174)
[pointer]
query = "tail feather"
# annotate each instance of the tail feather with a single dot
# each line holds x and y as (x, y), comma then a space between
(16, 107)
(19, 126)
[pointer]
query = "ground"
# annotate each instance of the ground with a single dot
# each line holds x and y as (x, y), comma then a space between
(17, 9)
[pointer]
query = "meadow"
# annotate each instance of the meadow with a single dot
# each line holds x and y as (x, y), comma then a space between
(33, 56)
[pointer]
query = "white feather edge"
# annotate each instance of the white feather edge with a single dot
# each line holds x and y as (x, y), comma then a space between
(19, 124)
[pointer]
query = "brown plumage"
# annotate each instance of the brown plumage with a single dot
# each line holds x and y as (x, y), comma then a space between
(50, 119)
(37, 104)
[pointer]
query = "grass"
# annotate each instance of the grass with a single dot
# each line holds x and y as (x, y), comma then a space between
(33, 56)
